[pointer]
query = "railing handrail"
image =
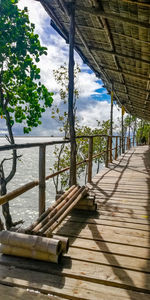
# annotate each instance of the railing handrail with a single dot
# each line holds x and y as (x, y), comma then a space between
(42, 176)
(30, 145)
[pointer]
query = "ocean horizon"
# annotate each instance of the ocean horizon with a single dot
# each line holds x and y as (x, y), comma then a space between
(25, 206)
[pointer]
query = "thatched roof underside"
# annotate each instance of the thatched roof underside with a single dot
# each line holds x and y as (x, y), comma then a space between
(113, 38)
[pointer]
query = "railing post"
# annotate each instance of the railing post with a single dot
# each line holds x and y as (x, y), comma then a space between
(107, 153)
(41, 179)
(90, 154)
(127, 147)
(120, 145)
(116, 148)
(110, 147)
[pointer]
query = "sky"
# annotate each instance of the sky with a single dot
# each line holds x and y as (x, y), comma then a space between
(93, 103)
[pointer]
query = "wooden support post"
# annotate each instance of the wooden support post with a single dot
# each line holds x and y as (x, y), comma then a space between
(120, 145)
(107, 153)
(127, 146)
(71, 95)
(116, 148)
(111, 115)
(133, 140)
(122, 130)
(41, 179)
(111, 149)
(149, 138)
(129, 143)
(90, 154)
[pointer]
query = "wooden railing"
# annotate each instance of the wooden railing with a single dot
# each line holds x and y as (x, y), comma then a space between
(109, 152)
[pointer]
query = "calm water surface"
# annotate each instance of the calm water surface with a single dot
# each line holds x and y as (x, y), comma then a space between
(25, 207)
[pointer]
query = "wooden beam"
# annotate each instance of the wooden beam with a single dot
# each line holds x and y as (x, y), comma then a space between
(130, 86)
(97, 49)
(90, 154)
(71, 96)
(135, 75)
(41, 180)
(137, 3)
(122, 130)
(129, 94)
(112, 16)
(111, 114)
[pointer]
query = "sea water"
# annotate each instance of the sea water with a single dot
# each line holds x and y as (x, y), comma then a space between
(25, 206)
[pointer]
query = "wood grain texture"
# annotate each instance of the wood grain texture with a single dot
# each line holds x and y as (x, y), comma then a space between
(109, 254)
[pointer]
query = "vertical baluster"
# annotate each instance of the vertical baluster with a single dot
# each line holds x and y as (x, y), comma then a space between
(116, 148)
(41, 179)
(107, 153)
(90, 154)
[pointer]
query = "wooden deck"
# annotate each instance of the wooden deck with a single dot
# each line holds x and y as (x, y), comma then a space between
(109, 256)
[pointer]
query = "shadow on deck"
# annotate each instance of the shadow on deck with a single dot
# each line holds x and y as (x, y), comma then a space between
(109, 255)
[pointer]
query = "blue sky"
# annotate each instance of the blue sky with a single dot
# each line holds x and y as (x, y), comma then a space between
(93, 103)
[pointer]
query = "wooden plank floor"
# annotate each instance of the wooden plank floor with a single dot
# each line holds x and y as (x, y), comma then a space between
(109, 256)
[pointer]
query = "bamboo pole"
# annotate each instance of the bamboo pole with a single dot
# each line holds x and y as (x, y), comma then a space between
(41, 180)
(44, 222)
(4, 199)
(37, 243)
(65, 211)
(64, 242)
(90, 154)
(30, 228)
(59, 212)
(29, 253)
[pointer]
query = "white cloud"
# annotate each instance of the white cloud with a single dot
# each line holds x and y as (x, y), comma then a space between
(97, 111)
(37, 14)
(88, 110)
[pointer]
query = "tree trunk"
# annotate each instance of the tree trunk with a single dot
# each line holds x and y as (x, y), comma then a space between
(5, 207)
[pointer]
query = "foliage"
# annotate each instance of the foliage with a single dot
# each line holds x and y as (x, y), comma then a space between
(129, 124)
(23, 98)
(143, 131)
(62, 154)
(20, 51)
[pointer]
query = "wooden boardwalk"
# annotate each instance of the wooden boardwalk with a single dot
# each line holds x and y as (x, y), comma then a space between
(109, 256)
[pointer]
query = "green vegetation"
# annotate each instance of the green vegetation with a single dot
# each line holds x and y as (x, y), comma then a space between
(23, 98)
(62, 154)
(143, 132)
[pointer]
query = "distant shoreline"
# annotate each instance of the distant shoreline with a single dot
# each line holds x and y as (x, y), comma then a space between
(34, 136)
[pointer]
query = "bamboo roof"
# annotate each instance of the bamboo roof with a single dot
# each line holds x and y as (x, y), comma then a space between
(113, 38)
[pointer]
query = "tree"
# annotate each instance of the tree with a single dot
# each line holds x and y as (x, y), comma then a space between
(143, 132)
(62, 154)
(23, 98)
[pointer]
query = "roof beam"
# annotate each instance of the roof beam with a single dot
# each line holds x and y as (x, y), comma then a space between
(135, 75)
(111, 16)
(137, 3)
(118, 54)
(131, 86)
